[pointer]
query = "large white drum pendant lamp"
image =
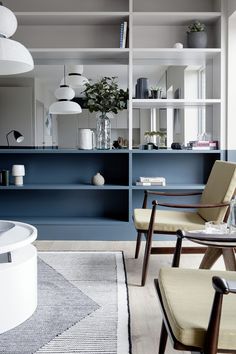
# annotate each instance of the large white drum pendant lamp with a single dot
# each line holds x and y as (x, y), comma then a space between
(64, 105)
(14, 57)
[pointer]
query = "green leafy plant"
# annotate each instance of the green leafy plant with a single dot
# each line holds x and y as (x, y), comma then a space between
(196, 26)
(105, 96)
(153, 133)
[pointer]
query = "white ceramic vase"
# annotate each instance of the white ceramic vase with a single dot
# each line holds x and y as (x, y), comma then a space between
(98, 180)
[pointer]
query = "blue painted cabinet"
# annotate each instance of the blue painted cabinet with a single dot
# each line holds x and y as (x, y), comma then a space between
(59, 199)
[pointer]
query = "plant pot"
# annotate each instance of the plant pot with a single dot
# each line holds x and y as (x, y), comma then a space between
(154, 93)
(197, 39)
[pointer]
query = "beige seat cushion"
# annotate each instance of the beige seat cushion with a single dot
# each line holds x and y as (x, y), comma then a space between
(220, 188)
(168, 220)
(187, 296)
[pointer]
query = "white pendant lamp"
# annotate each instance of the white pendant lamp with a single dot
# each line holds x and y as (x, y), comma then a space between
(75, 79)
(14, 57)
(64, 105)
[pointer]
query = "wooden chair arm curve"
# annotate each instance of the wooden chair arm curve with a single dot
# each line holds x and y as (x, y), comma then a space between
(191, 206)
(171, 194)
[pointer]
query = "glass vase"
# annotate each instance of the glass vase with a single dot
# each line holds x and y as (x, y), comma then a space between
(103, 136)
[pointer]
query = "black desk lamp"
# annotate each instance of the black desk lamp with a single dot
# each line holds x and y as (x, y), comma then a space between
(17, 135)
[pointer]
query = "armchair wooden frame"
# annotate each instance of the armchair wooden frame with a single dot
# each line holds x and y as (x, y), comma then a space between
(221, 286)
(150, 231)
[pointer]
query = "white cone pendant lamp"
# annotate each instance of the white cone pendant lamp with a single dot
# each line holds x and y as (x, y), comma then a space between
(14, 57)
(75, 79)
(64, 105)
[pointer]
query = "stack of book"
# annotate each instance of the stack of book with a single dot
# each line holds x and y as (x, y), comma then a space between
(123, 34)
(205, 145)
(151, 181)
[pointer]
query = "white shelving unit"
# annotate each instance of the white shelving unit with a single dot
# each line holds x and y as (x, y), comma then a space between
(88, 33)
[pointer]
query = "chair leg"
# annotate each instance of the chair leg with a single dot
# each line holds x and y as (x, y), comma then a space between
(138, 243)
(163, 339)
(146, 258)
(210, 257)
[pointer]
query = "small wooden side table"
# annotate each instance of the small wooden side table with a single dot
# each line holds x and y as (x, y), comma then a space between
(218, 244)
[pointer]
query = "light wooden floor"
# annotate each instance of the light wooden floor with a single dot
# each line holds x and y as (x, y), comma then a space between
(144, 307)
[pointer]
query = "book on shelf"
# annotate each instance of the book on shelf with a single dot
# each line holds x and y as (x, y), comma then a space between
(205, 145)
(160, 183)
(152, 179)
(123, 34)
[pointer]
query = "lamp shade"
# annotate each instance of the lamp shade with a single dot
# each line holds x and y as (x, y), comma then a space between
(75, 79)
(8, 22)
(14, 57)
(18, 170)
(65, 107)
(18, 136)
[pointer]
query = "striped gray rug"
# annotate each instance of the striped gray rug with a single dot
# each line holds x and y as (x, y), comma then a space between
(82, 307)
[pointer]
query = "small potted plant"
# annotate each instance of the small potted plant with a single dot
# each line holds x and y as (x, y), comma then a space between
(197, 35)
(156, 92)
(105, 97)
(151, 138)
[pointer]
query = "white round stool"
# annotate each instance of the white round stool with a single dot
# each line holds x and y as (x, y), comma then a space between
(18, 273)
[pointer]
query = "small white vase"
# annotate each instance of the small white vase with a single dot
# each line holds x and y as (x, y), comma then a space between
(98, 180)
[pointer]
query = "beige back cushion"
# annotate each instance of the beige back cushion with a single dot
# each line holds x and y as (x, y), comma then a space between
(220, 188)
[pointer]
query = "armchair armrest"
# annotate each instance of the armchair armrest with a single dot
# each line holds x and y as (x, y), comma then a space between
(169, 194)
(191, 206)
(224, 286)
(172, 194)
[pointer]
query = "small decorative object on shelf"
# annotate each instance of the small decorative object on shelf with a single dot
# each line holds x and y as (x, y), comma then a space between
(105, 97)
(5, 177)
(151, 181)
(197, 35)
(156, 137)
(156, 92)
(18, 171)
(86, 139)
(98, 180)
(141, 88)
(176, 146)
(178, 45)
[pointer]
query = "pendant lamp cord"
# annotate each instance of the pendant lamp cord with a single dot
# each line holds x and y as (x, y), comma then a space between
(64, 75)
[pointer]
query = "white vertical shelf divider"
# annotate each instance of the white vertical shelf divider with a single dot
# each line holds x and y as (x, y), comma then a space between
(223, 68)
(130, 125)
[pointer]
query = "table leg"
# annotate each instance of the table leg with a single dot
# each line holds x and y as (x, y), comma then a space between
(229, 258)
(210, 257)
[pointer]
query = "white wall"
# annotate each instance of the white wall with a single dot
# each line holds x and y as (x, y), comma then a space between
(17, 108)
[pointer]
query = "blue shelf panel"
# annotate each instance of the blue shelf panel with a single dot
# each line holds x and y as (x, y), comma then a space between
(63, 187)
(66, 220)
(69, 169)
(173, 187)
(78, 205)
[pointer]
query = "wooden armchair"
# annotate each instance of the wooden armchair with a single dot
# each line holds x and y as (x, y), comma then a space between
(213, 206)
(196, 317)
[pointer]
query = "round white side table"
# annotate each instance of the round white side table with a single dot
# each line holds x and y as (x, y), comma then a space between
(18, 273)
